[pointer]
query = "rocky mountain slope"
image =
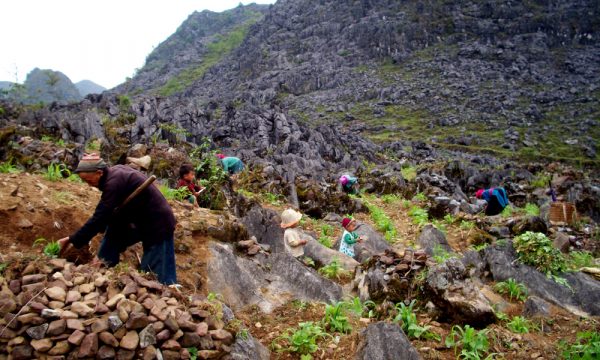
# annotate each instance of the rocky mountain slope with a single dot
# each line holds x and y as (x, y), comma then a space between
(505, 76)
(86, 87)
(197, 44)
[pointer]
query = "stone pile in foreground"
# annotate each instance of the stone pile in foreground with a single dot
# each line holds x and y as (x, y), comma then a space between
(57, 310)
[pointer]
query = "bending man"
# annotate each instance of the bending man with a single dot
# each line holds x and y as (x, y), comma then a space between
(147, 218)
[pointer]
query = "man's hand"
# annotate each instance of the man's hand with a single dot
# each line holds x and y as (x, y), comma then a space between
(64, 244)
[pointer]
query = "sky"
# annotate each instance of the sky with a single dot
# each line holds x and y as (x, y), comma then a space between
(104, 41)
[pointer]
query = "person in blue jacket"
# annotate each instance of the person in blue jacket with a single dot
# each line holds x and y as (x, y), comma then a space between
(496, 200)
(349, 184)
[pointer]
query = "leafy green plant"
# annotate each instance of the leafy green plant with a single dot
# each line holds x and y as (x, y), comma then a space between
(8, 167)
(333, 269)
(507, 212)
(336, 319)
(586, 347)
(409, 173)
(391, 198)
(382, 222)
(537, 250)
(513, 288)
(359, 308)
(519, 325)
(406, 203)
(299, 304)
(211, 175)
(420, 197)
(51, 248)
(308, 261)
(193, 353)
(74, 178)
(532, 209)
(440, 255)
(501, 242)
(419, 215)
(449, 219)
(302, 340)
(326, 230)
(3, 267)
(326, 241)
(176, 131)
(466, 225)
(56, 172)
(273, 199)
(479, 247)
(409, 325)
(541, 181)
(579, 259)
(441, 226)
(474, 344)
(174, 194)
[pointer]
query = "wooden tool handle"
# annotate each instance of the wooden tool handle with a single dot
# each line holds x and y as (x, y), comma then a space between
(136, 192)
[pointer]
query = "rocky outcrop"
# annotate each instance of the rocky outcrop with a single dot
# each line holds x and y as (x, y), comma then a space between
(581, 297)
(268, 281)
(385, 341)
(323, 255)
(248, 348)
(374, 243)
(431, 238)
(390, 276)
(457, 295)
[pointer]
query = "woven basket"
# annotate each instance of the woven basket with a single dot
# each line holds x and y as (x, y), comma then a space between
(562, 213)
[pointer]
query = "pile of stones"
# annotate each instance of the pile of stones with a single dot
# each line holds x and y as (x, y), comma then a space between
(57, 310)
(391, 275)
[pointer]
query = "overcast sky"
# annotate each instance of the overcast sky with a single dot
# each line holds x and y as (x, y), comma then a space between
(102, 40)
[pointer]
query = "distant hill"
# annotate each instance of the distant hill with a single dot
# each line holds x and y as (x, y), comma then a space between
(5, 85)
(48, 85)
(86, 87)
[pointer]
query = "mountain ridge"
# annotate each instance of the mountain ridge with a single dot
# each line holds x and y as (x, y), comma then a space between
(456, 71)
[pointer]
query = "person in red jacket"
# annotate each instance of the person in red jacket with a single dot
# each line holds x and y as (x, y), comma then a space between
(147, 218)
(186, 179)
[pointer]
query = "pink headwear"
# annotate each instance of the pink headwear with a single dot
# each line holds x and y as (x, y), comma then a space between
(343, 180)
(479, 193)
(221, 156)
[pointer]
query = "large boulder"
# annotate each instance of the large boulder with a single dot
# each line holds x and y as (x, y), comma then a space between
(373, 245)
(264, 224)
(268, 281)
(246, 348)
(430, 238)
(385, 341)
(323, 255)
(582, 298)
(455, 293)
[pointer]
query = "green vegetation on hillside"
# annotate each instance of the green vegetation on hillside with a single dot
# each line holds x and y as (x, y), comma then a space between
(216, 51)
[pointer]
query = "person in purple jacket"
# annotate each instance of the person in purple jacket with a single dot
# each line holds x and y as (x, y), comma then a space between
(147, 218)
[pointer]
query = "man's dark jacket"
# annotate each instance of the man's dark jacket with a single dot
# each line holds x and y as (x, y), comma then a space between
(149, 212)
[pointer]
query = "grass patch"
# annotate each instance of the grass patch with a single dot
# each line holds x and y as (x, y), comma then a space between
(409, 173)
(382, 222)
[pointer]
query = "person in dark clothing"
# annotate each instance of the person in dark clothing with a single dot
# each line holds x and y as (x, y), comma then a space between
(147, 218)
(496, 200)
(186, 179)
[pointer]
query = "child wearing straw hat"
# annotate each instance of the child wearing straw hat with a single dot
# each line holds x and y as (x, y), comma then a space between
(294, 244)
